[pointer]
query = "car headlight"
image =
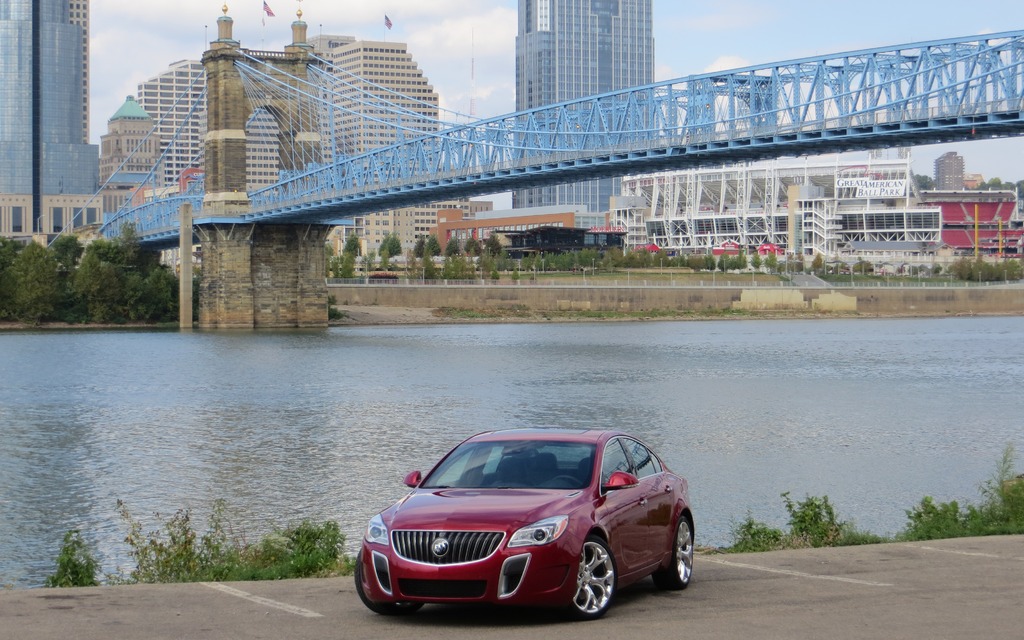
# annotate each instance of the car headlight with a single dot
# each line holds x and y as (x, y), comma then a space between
(544, 532)
(376, 532)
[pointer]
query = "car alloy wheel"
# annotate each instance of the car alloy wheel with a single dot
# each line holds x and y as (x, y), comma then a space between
(595, 580)
(678, 574)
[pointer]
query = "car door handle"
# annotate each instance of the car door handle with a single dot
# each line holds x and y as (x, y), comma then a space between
(643, 501)
(668, 488)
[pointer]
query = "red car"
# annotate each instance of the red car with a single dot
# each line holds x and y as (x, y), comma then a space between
(547, 517)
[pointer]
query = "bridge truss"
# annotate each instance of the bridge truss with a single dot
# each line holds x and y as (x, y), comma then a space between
(929, 92)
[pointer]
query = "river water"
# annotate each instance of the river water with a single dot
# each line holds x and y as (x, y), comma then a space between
(286, 426)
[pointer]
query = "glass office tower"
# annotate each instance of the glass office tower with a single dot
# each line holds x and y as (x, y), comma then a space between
(574, 48)
(47, 169)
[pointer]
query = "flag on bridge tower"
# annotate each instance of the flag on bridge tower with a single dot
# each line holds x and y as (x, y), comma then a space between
(267, 10)
(387, 22)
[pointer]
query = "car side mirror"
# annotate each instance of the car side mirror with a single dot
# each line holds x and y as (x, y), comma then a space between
(413, 479)
(620, 480)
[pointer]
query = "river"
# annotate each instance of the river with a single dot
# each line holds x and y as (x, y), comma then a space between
(286, 426)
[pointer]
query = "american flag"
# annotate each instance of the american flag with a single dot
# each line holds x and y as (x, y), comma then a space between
(267, 10)
(387, 21)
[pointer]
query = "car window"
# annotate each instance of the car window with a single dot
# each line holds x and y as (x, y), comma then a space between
(614, 460)
(645, 462)
(515, 464)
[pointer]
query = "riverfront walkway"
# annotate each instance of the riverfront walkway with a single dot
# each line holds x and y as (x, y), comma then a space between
(963, 588)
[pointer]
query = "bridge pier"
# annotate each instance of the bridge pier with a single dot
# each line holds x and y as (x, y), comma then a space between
(263, 276)
(256, 275)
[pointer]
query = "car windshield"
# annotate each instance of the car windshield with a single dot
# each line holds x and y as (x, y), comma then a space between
(535, 464)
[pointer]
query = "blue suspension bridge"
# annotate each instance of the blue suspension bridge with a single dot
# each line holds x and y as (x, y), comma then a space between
(957, 89)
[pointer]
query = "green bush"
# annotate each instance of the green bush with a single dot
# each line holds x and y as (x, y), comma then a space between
(1000, 512)
(814, 521)
(76, 566)
(752, 536)
(177, 553)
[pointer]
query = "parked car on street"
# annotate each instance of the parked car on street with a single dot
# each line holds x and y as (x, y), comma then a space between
(537, 517)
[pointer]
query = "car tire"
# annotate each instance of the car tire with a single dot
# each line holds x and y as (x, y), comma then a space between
(383, 608)
(595, 580)
(680, 570)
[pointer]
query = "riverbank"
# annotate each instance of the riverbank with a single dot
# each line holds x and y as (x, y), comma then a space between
(388, 315)
(553, 302)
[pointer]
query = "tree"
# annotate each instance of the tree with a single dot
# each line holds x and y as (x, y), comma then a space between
(457, 268)
(392, 245)
(368, 261)
(68, 251)
(818, 263)
(352, 245)
(348, 266)
(100, 284)
(473, 247)
(433, 247)
(923, 183)
(429, 268)
(771, 262)
(418, 249)
(756, 261)
(9, 250)
(452, 248)
(37, 289)
(493, 245)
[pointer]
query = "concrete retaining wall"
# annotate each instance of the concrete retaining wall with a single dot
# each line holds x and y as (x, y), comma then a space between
(936, 301)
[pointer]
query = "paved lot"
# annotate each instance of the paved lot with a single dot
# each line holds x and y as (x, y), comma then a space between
(967, 588)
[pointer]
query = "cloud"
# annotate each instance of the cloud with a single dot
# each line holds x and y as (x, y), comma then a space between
(726, 63)
(444, 37)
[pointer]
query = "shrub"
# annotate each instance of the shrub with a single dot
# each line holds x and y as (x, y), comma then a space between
(752, 536)
(176, 553)
(1001, 511)
(814, 521)
(76, 566)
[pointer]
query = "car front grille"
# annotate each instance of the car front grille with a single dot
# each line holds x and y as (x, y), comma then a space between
(446, 547)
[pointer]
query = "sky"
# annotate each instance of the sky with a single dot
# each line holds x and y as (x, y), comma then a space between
(466, 48)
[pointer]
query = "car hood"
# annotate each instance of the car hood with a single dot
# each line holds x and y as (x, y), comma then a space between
(474, 509)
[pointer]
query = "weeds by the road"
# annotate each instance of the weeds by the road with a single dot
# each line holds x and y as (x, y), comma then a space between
(176, 552)
(813, 522)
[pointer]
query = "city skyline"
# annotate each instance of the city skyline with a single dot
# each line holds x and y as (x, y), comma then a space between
(454, 37)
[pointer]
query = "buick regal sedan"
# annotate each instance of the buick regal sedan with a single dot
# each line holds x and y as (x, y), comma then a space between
(536, 517)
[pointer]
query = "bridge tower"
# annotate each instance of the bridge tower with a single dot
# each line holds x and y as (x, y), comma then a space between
(255, 275)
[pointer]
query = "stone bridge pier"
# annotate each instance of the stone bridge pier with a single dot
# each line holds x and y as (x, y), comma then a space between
(255, 275)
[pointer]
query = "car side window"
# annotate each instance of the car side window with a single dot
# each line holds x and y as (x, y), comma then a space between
(645, 462)
(614, 459)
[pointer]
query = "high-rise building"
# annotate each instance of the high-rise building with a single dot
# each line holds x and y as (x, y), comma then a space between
(949, 172)
(174, 99)
(127, 153)
(170, 97)
(384, 83)
(383, 98)
(50, 172)
(570, 49)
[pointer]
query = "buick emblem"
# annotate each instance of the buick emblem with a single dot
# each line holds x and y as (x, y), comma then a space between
(440, 547)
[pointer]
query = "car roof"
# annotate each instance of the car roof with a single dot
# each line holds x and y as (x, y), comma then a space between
(538, 433)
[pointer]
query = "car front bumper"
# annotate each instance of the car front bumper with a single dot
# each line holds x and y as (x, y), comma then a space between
(531, 576)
